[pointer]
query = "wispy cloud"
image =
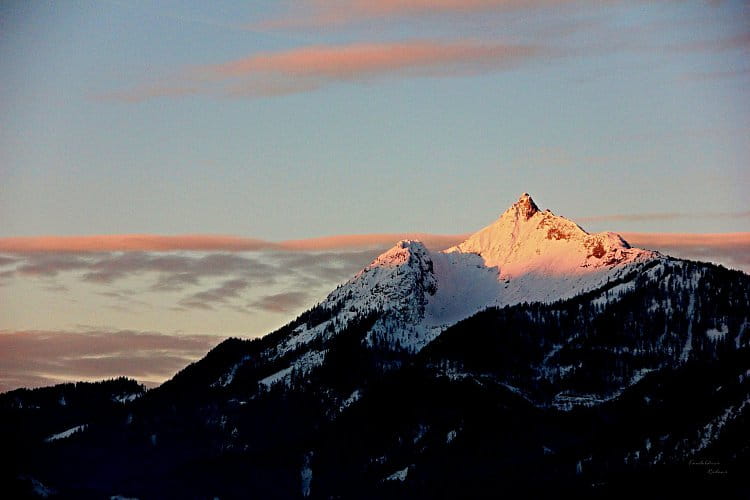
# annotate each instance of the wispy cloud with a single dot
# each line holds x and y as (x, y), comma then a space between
(34, 358)
(175, 263)
(282, 302)
(729, 249)
(208, 298)
(309, 67)
(130, 242)
(204, 243)
(207, 280)
(268, 74)
(194, 272)
(359, 61)
(173, 269)
(7, 261)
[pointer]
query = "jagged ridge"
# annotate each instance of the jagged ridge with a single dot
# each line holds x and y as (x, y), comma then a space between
(527, 255)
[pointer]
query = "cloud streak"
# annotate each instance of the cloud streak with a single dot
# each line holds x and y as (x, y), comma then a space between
(36, 358)
(284, 302)
(308, 68)
(206, 280)
(729, 249)
(269, 74)
(205, 243)
(130, 243)
(174, 269)
(361, 61)
(208, 298)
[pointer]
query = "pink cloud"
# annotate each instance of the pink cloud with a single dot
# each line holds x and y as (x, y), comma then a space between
(204, 243)
(129, 242)
(366, 60)
(691, 240)
(269, 74)
(729, 249)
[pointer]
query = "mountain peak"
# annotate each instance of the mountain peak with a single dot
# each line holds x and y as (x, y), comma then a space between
(402, 252)
(526, 240)
(525, 207)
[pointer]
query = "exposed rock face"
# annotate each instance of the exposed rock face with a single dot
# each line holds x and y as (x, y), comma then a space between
(525, 206)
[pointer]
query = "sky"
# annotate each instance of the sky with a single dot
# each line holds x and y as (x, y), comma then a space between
(173, 173)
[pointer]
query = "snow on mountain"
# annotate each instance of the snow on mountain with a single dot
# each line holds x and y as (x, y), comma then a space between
(527, 255)
(537, 256)
(527, 240)
(66, 433)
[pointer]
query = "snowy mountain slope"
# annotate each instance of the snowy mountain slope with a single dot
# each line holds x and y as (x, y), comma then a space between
(542, 257)
(590, 349)
(524, 256)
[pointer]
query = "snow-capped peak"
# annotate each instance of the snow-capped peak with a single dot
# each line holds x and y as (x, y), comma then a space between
(399, 280)
(527, 255)
(525, 239)
(401, 253)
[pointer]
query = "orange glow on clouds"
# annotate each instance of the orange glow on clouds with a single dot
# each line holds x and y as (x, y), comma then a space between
(706, 240)
(359, 60)
(269, 74)
(189, 242)
(730, 248)
(128, 242)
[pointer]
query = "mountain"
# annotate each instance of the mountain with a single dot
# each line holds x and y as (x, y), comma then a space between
(532, 359)
(526, 255)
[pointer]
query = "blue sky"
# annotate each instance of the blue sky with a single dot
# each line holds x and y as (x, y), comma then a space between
(631, 108)
(299, 119)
